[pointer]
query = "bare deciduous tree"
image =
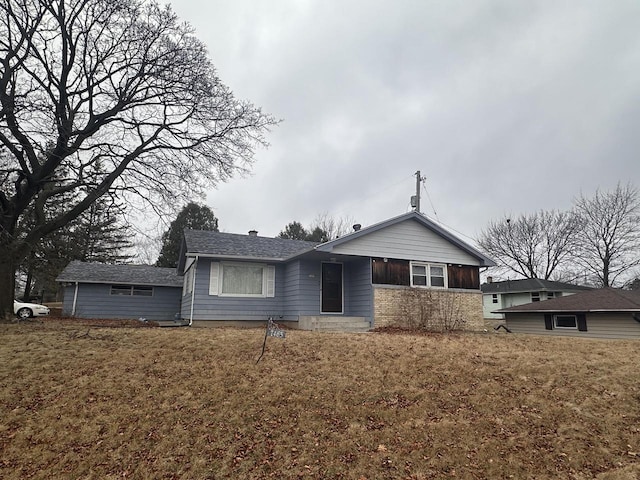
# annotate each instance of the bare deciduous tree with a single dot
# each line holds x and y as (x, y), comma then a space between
(334, 227)
(609, 243)
(121, 96)
(534, 245)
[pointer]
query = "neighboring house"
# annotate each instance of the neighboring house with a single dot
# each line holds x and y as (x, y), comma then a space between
(358, 280)
(497, 295)
(95, 290)
(601, 313)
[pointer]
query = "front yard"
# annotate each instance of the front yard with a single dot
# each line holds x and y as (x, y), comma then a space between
(98, 402)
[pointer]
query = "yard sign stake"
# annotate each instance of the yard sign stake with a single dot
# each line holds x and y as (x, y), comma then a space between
(273, 330)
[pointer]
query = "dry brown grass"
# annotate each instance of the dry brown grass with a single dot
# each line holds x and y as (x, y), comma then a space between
(81, 401)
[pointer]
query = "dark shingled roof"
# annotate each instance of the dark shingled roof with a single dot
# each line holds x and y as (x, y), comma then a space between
(243, 246)
(530, 285)
(600, 300)
(85, 272)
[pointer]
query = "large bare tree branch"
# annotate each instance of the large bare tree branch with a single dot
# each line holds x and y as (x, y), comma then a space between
(121, 97)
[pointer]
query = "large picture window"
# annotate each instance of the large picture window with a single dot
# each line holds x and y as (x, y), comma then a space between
(428, 275)
(242, 280)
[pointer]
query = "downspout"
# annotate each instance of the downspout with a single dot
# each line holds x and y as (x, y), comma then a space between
(75, 300)
(193, 289)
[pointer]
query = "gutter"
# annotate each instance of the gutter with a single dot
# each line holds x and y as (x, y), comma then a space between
(194, 265)
(75, 301)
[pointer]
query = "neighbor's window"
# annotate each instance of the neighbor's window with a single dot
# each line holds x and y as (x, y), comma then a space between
(550, 295)
(535, 296)
(135, 290)
(494, 298)
(428, 275)
(565, 321)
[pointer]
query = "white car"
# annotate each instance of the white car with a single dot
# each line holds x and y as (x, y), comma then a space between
(28, 310)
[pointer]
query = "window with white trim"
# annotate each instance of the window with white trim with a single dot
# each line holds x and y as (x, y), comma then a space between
(236, 279)
(535, 296)
(494, 298)
(565, 321)
(428, 275)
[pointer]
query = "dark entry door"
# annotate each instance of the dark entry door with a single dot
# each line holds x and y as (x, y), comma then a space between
(331, 288)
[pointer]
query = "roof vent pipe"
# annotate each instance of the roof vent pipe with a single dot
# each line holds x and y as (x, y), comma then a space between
(357, 227)
(253, 233)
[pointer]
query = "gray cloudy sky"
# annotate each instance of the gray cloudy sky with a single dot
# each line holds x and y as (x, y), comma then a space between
(505, 107)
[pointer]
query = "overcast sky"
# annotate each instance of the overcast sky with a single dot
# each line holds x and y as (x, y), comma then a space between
(505, 107)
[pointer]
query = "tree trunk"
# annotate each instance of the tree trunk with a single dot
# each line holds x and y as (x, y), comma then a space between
(7, 285)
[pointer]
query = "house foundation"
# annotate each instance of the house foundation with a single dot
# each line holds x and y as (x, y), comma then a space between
(429, 309)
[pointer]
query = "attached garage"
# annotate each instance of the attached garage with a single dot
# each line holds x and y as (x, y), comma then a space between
(96, 290)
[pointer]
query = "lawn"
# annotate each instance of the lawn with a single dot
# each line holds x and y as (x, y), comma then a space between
(80, 401)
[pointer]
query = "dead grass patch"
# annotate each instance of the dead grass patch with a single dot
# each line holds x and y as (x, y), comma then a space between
(192, 403)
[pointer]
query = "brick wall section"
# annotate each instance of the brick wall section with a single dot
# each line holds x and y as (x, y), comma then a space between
(431, 309)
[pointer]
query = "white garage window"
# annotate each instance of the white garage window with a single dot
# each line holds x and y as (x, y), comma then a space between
(242, 280)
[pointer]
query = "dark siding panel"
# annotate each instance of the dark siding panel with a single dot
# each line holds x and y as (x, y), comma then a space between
(391, 272)
(464, 276)
(548, 321)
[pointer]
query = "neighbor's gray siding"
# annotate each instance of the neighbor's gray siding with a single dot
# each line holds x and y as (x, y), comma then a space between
(599, 325)
(95, 301)
(215, 307)
(408, 240)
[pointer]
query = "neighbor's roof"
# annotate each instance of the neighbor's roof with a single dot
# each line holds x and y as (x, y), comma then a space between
(530, 285)
(232, 245)
(423, 220)
(597, 300)
(85, 272)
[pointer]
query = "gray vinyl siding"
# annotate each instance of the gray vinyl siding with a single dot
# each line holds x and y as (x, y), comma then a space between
(599, 325)
(215, 307)
(297, 293)
(358, 291)
(96, 301)
(407, 241)
(303, 289)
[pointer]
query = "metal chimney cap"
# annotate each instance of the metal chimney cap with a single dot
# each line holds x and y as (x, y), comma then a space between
(253, 233)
